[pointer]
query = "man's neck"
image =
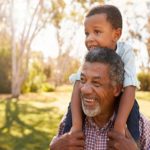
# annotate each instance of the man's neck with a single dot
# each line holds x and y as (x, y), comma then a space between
(102, 119)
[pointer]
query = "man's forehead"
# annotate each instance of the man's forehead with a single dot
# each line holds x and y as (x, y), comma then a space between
(95, 67)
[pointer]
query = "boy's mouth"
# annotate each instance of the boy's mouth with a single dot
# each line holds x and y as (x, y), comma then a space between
(91, 48)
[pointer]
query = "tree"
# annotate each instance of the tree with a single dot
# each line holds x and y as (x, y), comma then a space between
(138, 30)
(41, 12)
(5, 53)
(5, 68)
(148, 43)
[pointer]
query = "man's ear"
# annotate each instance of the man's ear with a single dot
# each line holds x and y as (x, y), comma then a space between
(117, 90)
(117, 34)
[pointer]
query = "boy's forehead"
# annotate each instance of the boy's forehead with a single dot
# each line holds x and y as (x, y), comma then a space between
(97, 18)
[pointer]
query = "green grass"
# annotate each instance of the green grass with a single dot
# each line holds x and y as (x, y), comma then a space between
(30, 122)
(142, 95)
(143, 99)
(24, 125)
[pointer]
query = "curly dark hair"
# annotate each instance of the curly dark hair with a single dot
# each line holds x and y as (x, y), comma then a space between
(109, 57)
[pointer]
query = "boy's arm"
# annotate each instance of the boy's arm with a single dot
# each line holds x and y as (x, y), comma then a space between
(125, 106)
(76, 108)
(130, 84)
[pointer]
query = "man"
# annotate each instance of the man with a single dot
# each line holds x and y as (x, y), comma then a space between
(101, 83)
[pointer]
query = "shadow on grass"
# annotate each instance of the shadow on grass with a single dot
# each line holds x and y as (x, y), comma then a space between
(24, 129)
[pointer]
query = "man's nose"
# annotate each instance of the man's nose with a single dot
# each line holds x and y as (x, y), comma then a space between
(86, 88)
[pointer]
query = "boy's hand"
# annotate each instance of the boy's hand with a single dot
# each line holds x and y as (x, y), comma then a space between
(119, 128)
(69, 141)
(119, 142)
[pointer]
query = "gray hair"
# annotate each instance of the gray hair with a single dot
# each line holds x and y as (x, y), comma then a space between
(109, 57)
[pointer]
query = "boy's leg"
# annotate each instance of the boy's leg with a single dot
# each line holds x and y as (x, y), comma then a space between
(68, 120)
(133, 121)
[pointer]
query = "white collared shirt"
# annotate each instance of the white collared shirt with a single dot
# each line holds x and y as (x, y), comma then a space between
(126, 53)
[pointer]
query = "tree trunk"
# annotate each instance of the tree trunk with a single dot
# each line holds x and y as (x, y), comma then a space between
(15, 89)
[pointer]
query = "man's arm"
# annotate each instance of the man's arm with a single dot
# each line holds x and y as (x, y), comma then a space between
(119, 142)
(68, 141)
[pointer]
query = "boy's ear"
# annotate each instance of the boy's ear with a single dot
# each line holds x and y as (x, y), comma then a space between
(117, 34)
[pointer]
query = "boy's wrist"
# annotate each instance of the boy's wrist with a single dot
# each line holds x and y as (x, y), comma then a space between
(120, 127)
(75, 128)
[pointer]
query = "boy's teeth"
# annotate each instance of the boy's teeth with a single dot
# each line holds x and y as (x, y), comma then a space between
(92, 47)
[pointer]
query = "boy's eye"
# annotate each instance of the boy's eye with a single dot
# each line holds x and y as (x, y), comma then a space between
(97, 32)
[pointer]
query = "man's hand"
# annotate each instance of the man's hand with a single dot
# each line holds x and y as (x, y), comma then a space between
(119, 142)
(69, 141)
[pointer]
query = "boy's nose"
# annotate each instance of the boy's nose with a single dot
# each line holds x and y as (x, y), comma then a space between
(90, 41)
(90, 37)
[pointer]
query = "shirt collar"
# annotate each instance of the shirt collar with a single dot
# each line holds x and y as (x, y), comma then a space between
(90, 122)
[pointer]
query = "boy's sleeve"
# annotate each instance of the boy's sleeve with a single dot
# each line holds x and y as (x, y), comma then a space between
(130, 77)
(74, 77)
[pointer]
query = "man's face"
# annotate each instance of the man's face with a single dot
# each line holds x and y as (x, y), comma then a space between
(100, 33)
(97, 92)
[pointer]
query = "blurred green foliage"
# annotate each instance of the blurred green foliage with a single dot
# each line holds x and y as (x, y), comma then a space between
(47, 87)
(39, 72)
(5, 70)
(144, 78)
(35, 78)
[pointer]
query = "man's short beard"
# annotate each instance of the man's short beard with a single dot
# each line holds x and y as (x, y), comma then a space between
(91, 112)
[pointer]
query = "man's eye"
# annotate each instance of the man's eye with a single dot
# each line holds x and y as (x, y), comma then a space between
(82, 80)
(96, 84)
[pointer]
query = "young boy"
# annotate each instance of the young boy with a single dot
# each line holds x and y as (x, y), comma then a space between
(103, 28)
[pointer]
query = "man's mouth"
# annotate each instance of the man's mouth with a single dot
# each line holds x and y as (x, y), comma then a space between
(90, 106)
(89, 102)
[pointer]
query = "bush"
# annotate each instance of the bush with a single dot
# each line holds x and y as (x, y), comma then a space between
(46, 87)
(144, 78)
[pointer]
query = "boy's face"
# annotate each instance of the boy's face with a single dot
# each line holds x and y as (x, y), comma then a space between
(100, 33)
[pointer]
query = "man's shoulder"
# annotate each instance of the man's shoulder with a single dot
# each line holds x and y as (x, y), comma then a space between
(144, 121)
(144, 127)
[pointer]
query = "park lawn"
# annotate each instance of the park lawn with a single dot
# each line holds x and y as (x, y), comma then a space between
(30, 122)
(143, 99)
